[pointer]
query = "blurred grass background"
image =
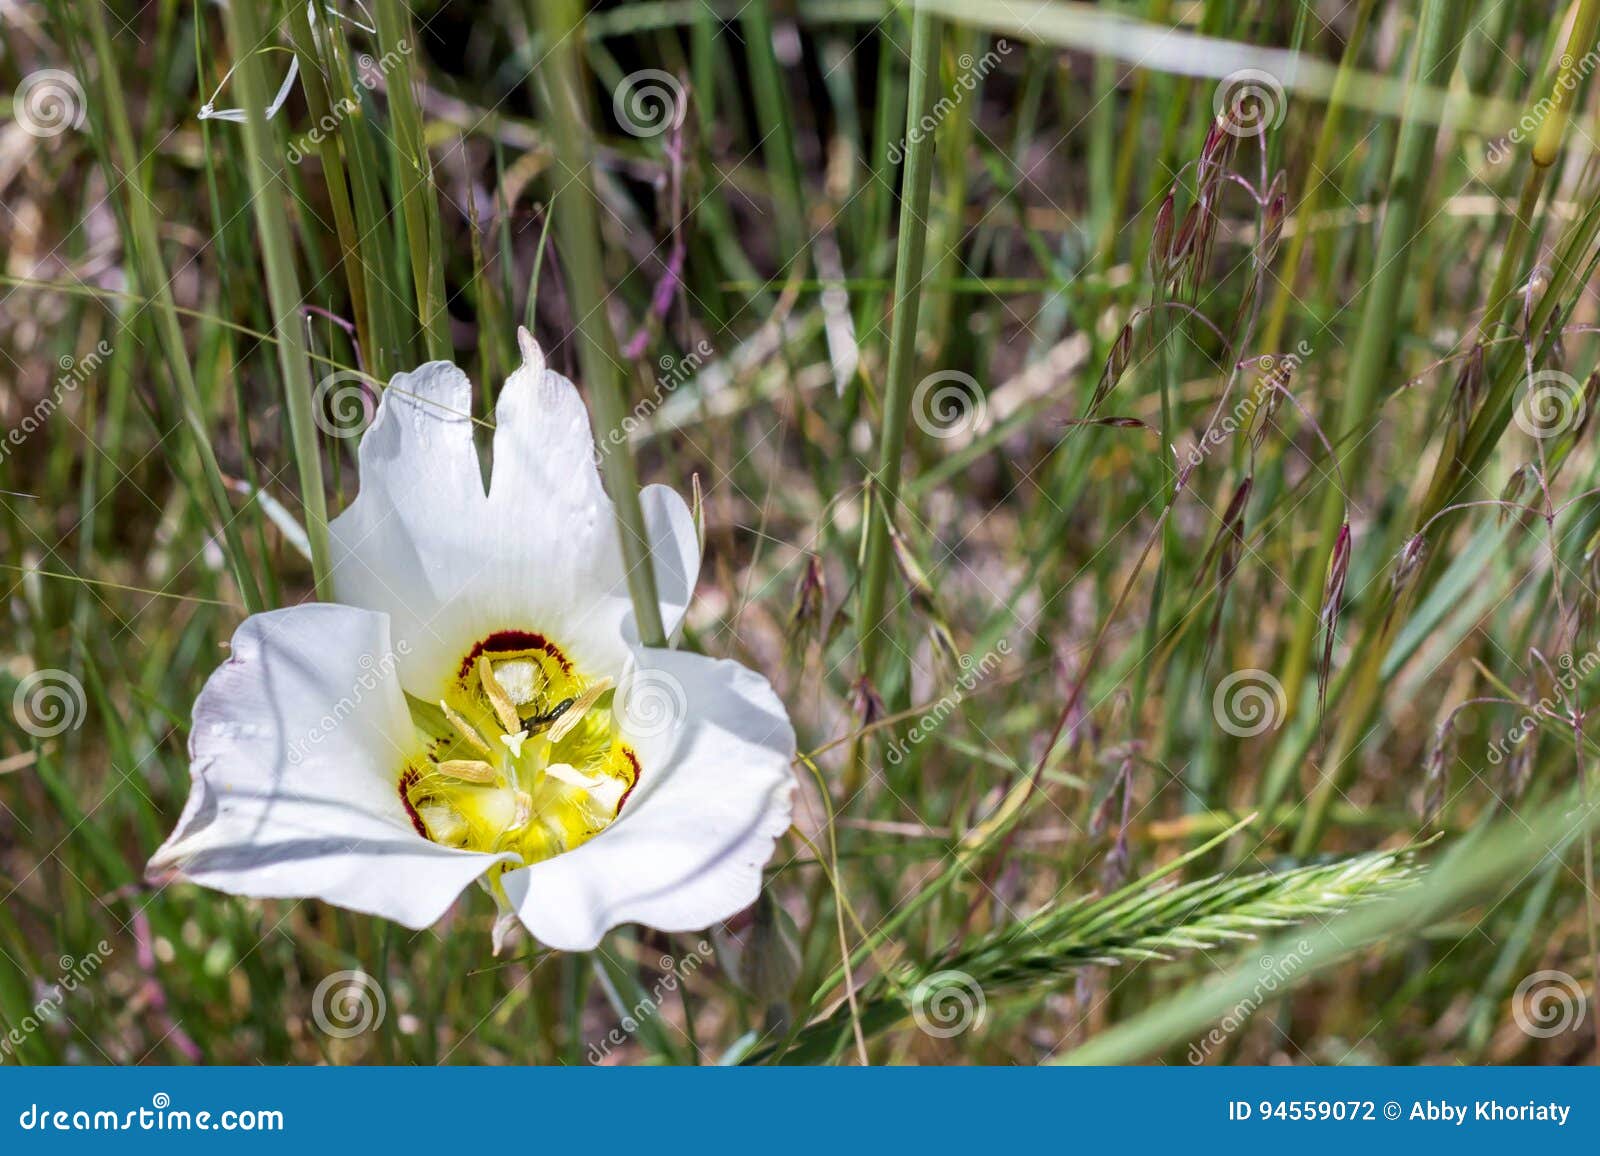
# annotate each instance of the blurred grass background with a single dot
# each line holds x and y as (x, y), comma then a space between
(1114, 422)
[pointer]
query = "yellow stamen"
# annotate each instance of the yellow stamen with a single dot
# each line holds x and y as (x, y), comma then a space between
(517, 794)
(574, 713)
(465, 729)
(505, 710)
(467, 770)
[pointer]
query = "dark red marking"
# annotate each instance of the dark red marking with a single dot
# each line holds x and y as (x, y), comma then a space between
(408, 780)
(622, 802)
(512, 642)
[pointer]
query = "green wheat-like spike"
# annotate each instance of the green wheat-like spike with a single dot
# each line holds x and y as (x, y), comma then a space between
(1148, 925)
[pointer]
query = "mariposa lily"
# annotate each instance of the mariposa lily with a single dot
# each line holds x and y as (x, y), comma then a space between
(476, 705)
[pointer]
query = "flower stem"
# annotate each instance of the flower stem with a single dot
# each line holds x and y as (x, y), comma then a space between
(283, 286)
(395, 38)
(578, 234)
(908, 277)
(1434, 56)
(114, 134)
(1545, 149)
(320, 109)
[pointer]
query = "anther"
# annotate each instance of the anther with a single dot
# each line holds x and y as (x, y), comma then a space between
(467, 770)
(505, 710)
(465, 729)
(574, 715)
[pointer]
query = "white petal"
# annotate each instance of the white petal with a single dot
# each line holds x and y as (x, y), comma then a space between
(544, 453)
(412, 543)
(452, 566)
(714, 795)
(296, 748)
(561, 557)
(674, 551)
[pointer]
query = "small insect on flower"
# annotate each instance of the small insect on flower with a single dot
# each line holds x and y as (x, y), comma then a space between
(477, 705)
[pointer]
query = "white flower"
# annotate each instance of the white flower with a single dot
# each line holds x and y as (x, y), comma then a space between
(476, 706)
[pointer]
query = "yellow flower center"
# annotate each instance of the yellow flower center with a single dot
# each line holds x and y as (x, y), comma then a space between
(522, 754)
